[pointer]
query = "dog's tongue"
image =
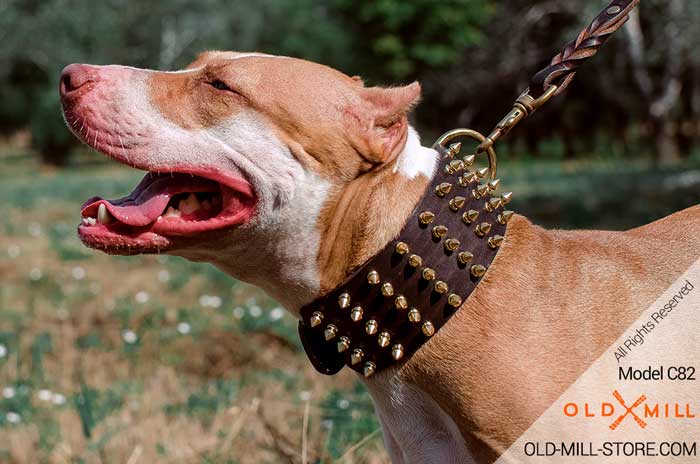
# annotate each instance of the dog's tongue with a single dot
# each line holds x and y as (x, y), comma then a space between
(148, 201)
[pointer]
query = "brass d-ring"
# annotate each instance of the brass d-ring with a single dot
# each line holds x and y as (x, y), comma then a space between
(447, 137)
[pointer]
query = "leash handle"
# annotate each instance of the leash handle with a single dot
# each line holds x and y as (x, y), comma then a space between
(563, 66)
(556, 77)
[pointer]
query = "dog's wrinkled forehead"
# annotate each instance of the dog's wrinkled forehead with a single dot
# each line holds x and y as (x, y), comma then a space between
(217, 85)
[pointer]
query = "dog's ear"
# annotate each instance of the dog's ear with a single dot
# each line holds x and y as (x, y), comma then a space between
(378, 125)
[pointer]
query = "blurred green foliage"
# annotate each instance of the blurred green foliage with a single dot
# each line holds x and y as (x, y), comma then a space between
(472, 57)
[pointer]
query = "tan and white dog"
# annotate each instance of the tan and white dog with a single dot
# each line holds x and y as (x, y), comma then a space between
(288, 174)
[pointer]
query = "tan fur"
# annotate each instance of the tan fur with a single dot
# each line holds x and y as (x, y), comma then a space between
(550, 304)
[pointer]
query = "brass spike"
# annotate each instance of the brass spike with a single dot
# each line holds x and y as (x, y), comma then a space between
(455, 148)
(470, 216)
(343, 344)
(469, 160)
(373, 277)
(480, 191)
(369, 369)
(507, 197)
(465, 257)
(344, 300)
(426, 217)
(414, 315)
(493, 204)
(384, 339)
(402, 248)
(494, 184)
(428, 329)
(330, 332)
(441, 287)
(454, 167)
(451, 244)
(481, 173)
(428, 274)
(371, 327)
(471, 177)
(401, 302)
(505, 217)
(356, 313)
(397, 351)
(495, 241)
(482, 229)
(443, 189)
(316, 319)
(356, 356)
(478, 270)
(456, 203)
(387, 289)
(439, 231)
(415, 261)
(454, 300)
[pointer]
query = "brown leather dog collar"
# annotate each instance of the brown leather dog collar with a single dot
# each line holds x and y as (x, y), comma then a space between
(390, 306)
(402, 296)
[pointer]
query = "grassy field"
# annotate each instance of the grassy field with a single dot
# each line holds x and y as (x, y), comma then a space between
(155, 359)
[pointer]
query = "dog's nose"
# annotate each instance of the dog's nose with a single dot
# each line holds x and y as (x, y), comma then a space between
(76, 76)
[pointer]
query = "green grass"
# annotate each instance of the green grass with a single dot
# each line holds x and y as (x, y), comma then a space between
(105, 357)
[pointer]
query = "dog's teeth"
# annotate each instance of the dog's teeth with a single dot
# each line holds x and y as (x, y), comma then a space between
(171, 212)
(103, 216)
(85, 222)
(91, 221)
(189, 205)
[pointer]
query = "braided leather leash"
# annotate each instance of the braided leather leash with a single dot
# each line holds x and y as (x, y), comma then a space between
(556, 77)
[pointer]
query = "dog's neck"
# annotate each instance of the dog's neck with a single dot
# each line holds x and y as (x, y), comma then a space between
(371, 210)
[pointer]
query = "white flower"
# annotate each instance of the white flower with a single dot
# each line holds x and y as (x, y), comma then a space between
(13, 417)
(130, 336)
(238, 312)
(44, 395)
(255, 311)
(184, 328)
(276, 314)
(95, 288)
(327, 424)
(3, 350)
(35, 274)
(305, 395)
(8, 392)
(13, 251)
(163, 275)
(142, 297)
(58, 399)
(210, 301)
(78, 273)
(34, 229)
(343, 404)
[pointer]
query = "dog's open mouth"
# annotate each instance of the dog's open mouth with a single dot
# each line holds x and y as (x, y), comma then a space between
(164, 206)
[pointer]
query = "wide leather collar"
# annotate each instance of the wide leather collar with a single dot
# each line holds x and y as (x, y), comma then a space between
(402, 296)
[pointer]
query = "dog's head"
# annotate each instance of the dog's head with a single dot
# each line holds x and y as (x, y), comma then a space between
(243, 151)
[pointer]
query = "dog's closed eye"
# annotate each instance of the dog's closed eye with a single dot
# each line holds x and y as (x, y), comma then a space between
(220, 85)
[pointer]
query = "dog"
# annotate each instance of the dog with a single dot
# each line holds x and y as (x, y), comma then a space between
(288, 175)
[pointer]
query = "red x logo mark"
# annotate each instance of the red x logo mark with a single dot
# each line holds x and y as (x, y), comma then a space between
(629, 411)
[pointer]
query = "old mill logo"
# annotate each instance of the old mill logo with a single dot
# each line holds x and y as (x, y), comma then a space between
(641, 411)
